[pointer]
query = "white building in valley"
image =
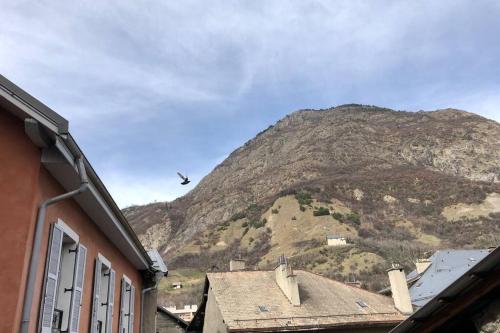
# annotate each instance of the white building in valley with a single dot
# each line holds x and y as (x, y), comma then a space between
(336, 241)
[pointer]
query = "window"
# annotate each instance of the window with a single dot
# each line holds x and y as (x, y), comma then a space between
(362, 303)
(64, 276)
(127, 306)
(263, 308)
(103, 296)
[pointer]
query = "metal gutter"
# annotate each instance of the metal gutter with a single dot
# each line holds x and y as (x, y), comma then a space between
(33, 107)
(115, 214)
(161, 271)
(101, 189)
(143, 292)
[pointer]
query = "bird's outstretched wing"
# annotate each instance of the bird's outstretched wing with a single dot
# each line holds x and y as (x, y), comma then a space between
(180, 175)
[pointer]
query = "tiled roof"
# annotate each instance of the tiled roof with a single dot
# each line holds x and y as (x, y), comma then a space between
(446, 267)
(252, 299)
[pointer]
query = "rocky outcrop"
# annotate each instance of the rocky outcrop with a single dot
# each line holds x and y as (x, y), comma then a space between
(343, 148)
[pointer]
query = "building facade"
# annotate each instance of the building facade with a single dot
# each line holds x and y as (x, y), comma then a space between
(70, 260)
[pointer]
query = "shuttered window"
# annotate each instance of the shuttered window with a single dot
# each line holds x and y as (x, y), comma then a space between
(122, 324)
(63, 284)
(76, 299)
(103, 296)
(96, 296)
(131, 309)
(51, 279)
(127, 306)
(111, 299)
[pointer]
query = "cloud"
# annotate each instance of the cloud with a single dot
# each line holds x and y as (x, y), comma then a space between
(151, 87)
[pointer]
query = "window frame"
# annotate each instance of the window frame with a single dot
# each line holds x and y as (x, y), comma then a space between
(126, 305)
(102, 264)
(50, 296)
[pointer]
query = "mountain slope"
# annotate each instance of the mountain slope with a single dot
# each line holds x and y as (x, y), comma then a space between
(388, 175)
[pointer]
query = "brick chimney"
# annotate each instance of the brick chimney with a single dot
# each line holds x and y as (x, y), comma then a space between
(287, 281)
(236, 265)
(399, 289)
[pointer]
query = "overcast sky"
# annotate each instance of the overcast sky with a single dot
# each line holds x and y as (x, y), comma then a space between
(155, 87)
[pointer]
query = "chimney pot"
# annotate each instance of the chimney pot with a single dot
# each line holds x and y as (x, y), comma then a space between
(422, 265)
(236, 265)
(399, 289)
(287, 281)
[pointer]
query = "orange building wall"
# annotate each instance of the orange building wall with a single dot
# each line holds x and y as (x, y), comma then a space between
(19, 172)
(29, 186)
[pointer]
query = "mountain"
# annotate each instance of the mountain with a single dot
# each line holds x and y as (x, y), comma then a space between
(396, 184)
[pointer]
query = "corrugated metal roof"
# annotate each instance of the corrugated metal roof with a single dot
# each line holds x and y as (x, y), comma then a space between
(446, 267)
(157, 260)
(463, 288)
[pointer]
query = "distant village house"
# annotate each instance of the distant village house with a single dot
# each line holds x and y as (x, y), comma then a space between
(336, 241)
(176, 285)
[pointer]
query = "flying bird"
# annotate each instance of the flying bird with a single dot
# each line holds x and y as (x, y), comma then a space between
(185, 180)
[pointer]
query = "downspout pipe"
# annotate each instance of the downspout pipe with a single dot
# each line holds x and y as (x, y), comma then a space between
(158, 276)
(144, 291)
(37, 241)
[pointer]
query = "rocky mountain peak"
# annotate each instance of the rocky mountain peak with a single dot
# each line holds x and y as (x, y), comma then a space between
(387, 174)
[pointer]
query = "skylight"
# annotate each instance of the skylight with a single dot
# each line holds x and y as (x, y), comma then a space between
(263, 308)
(362, 303)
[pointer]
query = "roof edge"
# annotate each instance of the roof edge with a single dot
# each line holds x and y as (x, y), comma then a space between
(35, 105)
(28, 106)
(363, 324)
(179, 320)
(75, 150)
